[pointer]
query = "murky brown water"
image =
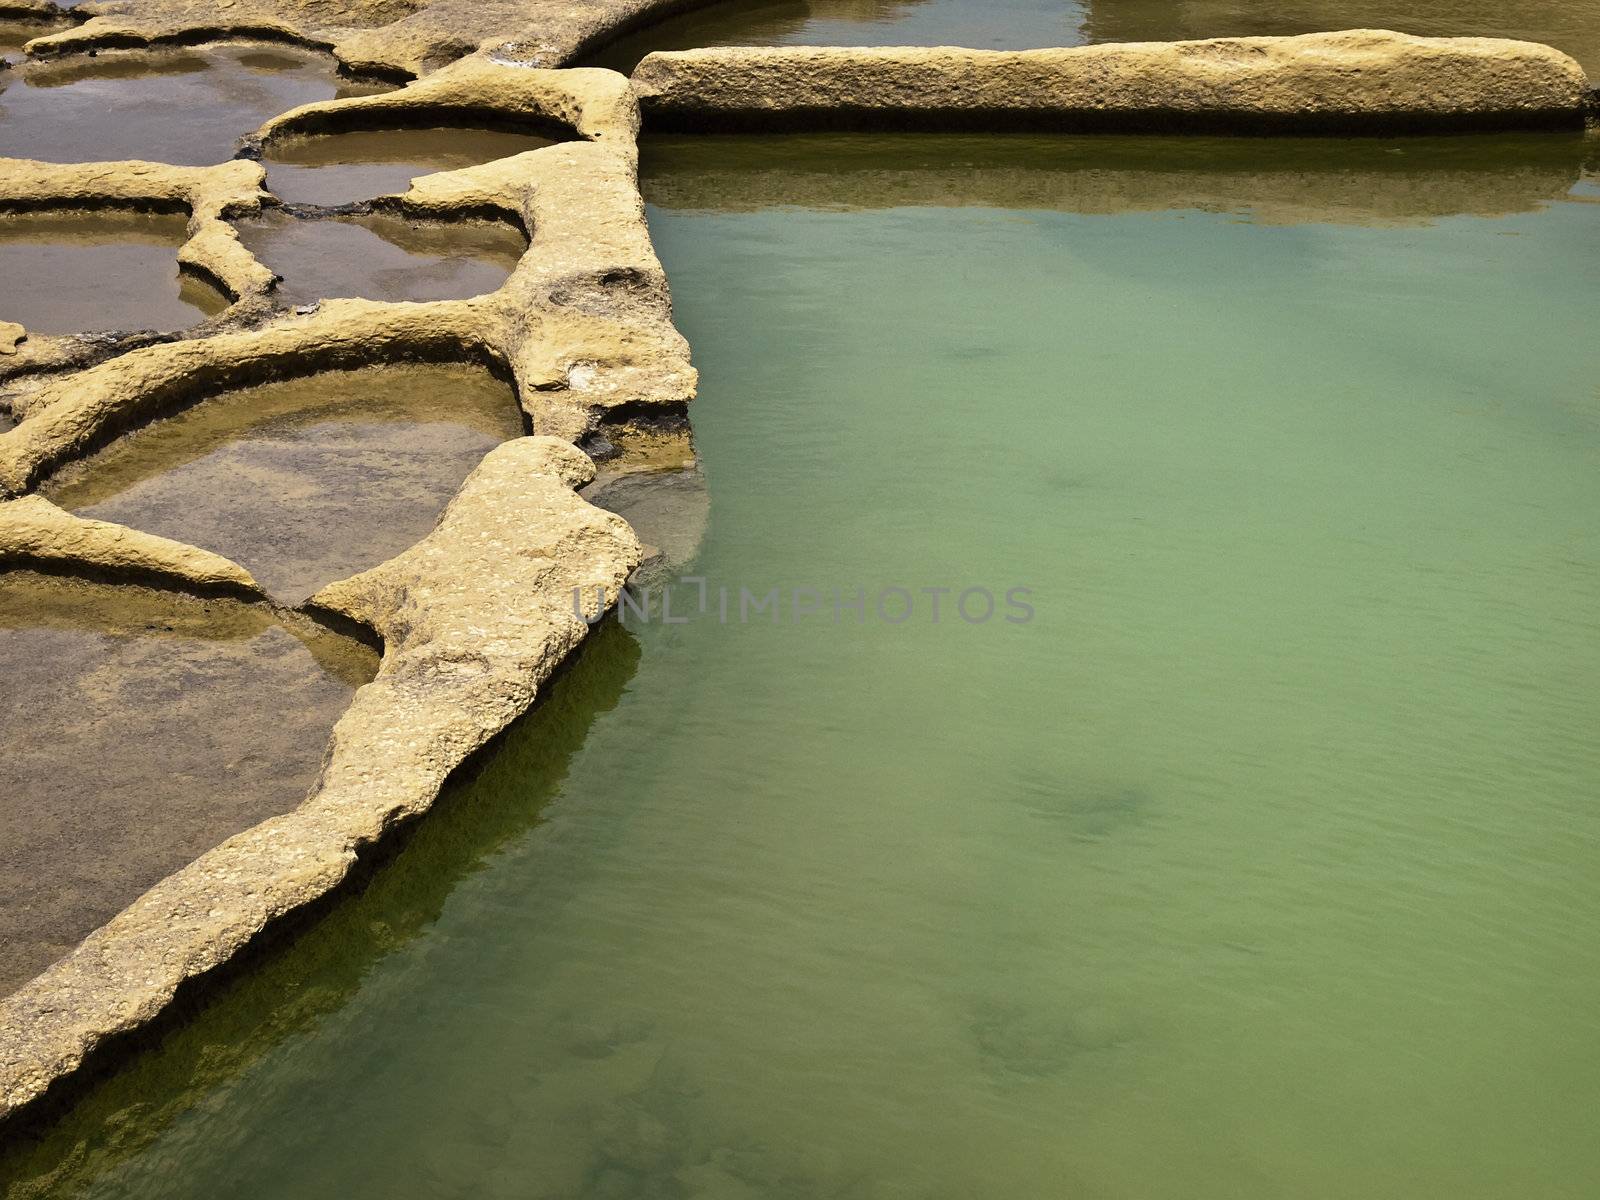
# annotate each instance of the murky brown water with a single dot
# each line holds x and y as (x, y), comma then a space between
(307, 481)
(340, 168)
(1569, 25)
(381, 257)
(14, 35)
(72, 272)
(143, 728)
(188, 107)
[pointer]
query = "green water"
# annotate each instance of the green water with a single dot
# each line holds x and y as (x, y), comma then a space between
(1260, 863)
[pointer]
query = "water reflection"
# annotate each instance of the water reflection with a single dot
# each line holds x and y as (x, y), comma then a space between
(72, 272)
(1275, 181)
(189, 107)
(1570, 25)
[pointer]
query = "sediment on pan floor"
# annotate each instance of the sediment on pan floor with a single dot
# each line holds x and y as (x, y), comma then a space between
(144, 727)
(302, 482)
(210, 253)
(380, 256)
(332, 169)
(68, 272)
(188, 107)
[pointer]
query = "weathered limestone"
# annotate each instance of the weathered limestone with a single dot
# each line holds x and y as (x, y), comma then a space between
(474, 619)
(394, 38)
(35, 533)
(590, 104)
(586, 318)
(1357, 81)
(583, 324)
(65, 418)
(42, 13)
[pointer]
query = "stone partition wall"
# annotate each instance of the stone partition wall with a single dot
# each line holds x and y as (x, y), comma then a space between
(1358, 81)
(474, 619)
(396, 39)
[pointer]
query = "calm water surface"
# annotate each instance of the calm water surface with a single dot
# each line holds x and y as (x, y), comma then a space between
(1259, 864)
(1569, 25)
(187, 106)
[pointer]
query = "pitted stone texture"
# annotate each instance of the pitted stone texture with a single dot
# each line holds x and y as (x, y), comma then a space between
(584, 323)
(1354, 81)
(586, 317)
(590, 103)
(387, 37)
(68, 417)
(474, 619)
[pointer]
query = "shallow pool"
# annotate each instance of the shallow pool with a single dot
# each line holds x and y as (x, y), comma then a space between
(381, 257)
(144, 727)
(188, 106)
(1256, 862)
(72, 272)
(304, 481)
